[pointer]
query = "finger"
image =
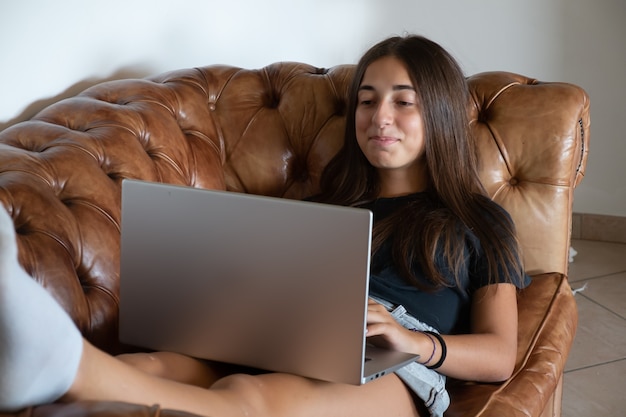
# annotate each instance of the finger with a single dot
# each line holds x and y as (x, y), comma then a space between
(373, 329)
(372, 302)
(376, 307)
(375, 315)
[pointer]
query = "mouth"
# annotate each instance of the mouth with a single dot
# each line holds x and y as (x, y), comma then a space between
(384, 140)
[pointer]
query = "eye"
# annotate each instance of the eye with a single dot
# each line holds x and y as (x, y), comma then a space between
(366, 97)
(366, 100)
(405, 98)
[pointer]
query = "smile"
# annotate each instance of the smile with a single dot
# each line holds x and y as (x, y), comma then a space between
(384, 140)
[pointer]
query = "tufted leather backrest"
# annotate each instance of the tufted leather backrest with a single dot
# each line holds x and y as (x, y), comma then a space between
(268, 131)
(533, 141)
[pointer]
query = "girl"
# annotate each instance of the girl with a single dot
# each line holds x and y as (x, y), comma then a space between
(445, 269)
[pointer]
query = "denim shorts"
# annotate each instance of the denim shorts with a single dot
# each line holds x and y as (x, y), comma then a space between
(427, 384)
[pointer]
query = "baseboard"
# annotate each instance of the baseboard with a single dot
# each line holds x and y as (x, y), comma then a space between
(599, 227)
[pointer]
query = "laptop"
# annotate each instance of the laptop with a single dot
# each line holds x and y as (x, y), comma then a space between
(269, 283)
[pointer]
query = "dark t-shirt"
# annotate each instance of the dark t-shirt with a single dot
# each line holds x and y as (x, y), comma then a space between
(447, 309)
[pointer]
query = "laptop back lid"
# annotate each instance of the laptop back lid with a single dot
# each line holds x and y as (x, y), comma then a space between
(265, 282)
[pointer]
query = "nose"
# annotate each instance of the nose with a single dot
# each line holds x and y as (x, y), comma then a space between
(383, 115)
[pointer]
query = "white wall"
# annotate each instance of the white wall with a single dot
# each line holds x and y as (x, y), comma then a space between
(53, 49)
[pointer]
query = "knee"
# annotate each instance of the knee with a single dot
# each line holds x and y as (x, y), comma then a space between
(248, 390)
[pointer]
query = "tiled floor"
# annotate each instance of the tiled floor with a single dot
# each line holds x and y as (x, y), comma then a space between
(595, 374)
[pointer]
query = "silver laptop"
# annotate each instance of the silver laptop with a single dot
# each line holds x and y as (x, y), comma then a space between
(270, 283)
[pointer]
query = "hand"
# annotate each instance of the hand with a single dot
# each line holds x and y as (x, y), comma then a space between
(384, 331)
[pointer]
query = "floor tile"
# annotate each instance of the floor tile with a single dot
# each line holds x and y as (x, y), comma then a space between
(596, 391)
(600, 336)
(596, 259)
(594, 373)
(608, 291)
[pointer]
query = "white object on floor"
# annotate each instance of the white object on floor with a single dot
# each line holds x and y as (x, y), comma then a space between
(581, 289)
(572, 253)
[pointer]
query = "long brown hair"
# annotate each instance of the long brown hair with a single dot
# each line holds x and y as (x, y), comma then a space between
(456, 198)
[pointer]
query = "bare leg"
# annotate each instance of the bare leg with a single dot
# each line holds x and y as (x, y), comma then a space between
(29, 315)
(287, 395)
(176, 367)
(103, 377)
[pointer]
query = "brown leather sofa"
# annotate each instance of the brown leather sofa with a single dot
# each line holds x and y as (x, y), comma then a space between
(271, 131)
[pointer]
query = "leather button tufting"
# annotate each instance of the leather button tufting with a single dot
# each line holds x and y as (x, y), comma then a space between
(212, 106)
(513, 181)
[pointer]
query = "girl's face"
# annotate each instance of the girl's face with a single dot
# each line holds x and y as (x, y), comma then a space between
(388, 118)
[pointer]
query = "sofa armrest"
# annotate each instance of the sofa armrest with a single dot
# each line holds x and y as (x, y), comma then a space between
(547, 325)
(98, 409)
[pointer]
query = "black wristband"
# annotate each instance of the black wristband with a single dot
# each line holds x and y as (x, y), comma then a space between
(444, 350)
